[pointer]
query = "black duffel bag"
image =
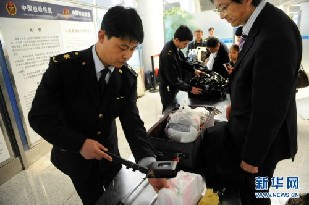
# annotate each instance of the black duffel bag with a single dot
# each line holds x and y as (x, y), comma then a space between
(213, 84)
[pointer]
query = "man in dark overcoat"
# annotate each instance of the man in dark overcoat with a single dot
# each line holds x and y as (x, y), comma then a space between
(262, 117)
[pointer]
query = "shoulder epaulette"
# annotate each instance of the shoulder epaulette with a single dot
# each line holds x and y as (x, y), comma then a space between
(129, 68)
(65, 57)
(170, 52)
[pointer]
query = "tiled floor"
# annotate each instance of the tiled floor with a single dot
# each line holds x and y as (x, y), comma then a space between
(42, 183)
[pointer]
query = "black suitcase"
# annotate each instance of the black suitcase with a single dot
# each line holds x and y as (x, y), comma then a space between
(186, 153)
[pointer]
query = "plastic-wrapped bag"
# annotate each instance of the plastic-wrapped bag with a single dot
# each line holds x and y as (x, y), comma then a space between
(183, 126)
(183, 117)
(185, 189)
(202, 112)
(182, 136)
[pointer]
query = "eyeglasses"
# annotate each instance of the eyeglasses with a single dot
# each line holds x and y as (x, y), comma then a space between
(222, 10)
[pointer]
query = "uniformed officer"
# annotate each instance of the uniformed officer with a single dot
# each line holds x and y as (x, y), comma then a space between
(71, 111)
(171, 64)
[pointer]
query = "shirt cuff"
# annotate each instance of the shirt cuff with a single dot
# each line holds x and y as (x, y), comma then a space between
(145, 162)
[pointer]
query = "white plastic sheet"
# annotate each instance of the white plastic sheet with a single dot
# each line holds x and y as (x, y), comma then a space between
(185, 189)
(184, 125)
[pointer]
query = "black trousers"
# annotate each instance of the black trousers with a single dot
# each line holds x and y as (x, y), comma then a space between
(222, 167)
(167, 96)
(89, 177)
(91, 185)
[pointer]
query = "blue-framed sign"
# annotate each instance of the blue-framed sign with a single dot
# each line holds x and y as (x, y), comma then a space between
(26, 9)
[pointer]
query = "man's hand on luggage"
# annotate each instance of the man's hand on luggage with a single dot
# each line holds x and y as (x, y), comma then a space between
(196, 91)
(198, 73)
(158, 183)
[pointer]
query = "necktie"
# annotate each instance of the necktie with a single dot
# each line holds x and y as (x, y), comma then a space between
(242, 41)
(102, 81)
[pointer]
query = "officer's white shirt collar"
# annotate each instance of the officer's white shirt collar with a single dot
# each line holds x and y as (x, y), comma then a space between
(247, 27)
(99, 65)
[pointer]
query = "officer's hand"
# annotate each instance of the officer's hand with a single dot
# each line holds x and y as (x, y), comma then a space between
(92, 149)
(248, 167)
(196, 91)
(228, 112)
(158, 183)
(198, 73)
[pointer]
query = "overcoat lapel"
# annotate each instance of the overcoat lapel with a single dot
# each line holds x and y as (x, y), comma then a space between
(250, 39)
(88, 76)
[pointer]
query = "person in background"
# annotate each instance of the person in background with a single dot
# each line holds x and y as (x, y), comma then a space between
(262, 117)
(238, 34)
(198, 41)
(211, 33)
(80, 96)
(218, 57)
(171, 63)
(233, 55)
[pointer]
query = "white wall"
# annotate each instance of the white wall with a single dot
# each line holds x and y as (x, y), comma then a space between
(304, 30)
(206, 19)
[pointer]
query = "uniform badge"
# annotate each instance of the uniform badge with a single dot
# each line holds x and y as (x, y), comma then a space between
(66, 13)
(170, 52)
(130, 69)
(66, 56)
(11, 8)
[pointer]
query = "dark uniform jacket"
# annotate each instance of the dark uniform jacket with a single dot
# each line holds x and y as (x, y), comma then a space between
(67, 110)
(263, 121)
(171, 63)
